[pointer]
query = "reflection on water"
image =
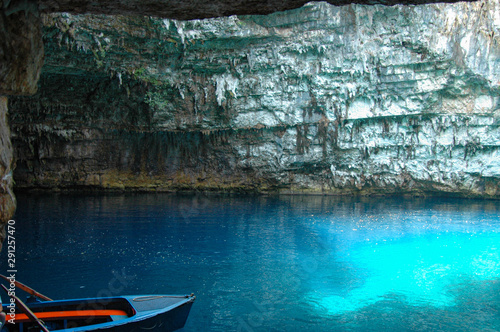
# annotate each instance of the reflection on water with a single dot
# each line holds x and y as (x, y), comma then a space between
(273, 264)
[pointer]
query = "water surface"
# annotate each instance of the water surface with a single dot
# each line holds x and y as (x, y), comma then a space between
(292, 263)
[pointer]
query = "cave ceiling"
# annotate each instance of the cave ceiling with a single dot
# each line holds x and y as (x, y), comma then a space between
(187, 10)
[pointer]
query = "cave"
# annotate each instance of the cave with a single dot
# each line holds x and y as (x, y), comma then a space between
(366, 98)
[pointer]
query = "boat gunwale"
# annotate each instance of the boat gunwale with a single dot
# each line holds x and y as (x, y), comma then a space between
(136, 316)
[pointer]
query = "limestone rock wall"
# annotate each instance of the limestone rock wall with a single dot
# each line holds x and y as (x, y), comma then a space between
(21, 58)
(21, 48)
(322, 99)
(7, 198)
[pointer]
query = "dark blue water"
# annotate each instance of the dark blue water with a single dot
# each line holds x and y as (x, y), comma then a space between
(273, 264)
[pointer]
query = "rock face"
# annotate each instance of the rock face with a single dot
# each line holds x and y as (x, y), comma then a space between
(21, 49)
(21, 59)
(7, 198)
(192, 9)
(322, 99)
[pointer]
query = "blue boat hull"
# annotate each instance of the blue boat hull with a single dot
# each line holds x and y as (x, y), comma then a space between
(162, 313)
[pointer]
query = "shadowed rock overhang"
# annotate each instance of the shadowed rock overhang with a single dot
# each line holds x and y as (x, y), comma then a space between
(187, 10)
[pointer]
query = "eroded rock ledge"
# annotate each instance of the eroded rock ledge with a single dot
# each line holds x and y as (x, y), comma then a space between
(322, 99)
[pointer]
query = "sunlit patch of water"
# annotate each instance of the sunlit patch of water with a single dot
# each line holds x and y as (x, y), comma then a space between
(421, 271)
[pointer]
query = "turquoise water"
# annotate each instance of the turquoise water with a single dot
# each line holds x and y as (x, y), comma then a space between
(292, 263)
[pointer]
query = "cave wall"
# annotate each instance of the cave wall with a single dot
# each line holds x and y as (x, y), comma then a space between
(7, 198)
(322, 99)
(21, 59)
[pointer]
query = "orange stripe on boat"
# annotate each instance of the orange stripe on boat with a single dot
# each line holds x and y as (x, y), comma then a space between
(54, 315)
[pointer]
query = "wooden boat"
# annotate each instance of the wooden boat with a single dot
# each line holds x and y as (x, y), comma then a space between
(159, 313)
